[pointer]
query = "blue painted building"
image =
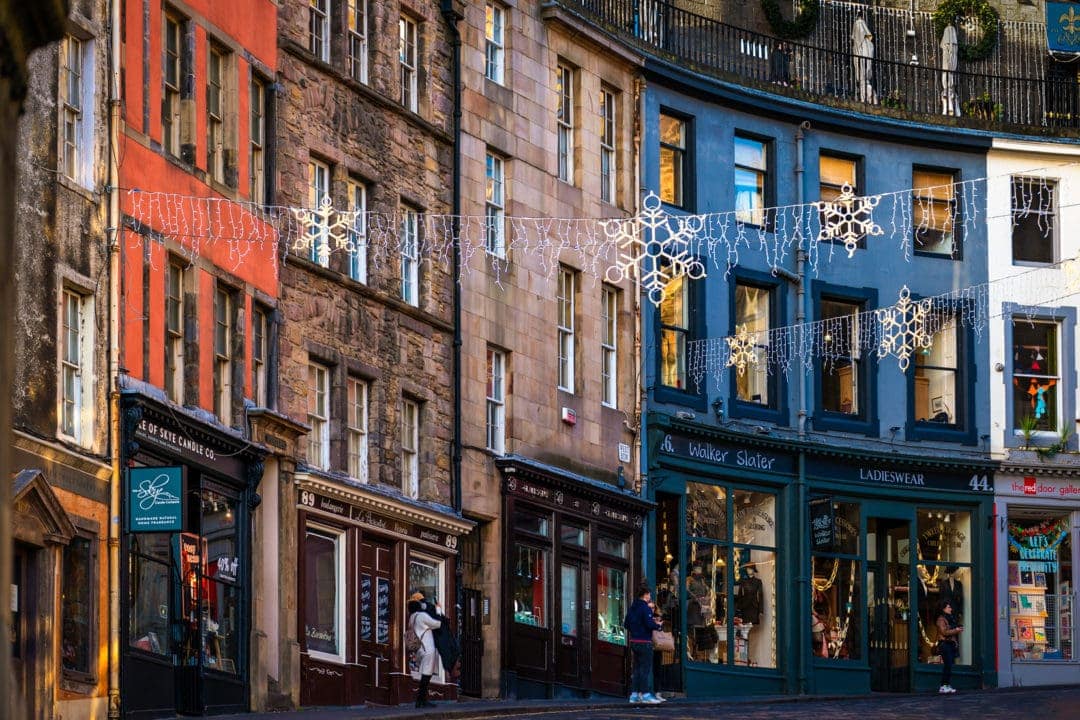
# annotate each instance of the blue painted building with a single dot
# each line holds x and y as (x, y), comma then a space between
(811, 522)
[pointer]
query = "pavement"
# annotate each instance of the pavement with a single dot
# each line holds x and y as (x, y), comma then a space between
(1052, 703)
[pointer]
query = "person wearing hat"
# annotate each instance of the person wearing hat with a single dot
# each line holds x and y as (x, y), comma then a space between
(423, 619)
(948, 643)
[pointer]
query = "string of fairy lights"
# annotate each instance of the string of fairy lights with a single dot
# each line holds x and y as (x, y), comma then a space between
(657, 245)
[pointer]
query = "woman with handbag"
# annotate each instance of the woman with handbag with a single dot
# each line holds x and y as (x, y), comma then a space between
(948, 643)
(640, 625)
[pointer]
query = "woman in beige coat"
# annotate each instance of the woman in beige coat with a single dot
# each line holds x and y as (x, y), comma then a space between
(423, 618)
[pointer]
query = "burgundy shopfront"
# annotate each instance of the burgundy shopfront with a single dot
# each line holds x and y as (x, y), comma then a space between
(570, 568)
(361, 553)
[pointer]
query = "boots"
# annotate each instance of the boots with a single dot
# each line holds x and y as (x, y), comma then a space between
(422, 693)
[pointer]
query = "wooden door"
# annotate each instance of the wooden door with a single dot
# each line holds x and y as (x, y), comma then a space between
(20, 592)
(573, 635)
(375, 621)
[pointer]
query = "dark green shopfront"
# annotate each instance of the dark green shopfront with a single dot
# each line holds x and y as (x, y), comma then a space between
(796, 567)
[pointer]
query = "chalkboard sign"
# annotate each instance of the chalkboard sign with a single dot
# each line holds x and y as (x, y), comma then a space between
(365, 608)
(382, 619)
(822, 527)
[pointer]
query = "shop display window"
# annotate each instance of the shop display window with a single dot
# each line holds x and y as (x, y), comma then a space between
(426, 575)
(731, 585)
(613, 547)
(530, 590)
(76, 606)
(836, 579)
(150, 610)
(1041, 617)
(574, 535)
(322, 603)
(611, 604)
(221, 639)
(944, 574)
(532, 523)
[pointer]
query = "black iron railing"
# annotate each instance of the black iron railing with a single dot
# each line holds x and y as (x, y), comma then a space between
(835, 76)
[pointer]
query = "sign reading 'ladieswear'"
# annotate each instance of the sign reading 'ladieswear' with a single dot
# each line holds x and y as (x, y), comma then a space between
(154, 503)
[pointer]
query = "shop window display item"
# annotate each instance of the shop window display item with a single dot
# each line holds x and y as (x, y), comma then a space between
(1040, 579)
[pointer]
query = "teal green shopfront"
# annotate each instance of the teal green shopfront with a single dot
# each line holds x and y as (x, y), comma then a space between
(793, 567)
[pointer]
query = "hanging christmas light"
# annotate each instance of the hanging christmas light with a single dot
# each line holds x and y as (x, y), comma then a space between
(848, 218)
(903, 328)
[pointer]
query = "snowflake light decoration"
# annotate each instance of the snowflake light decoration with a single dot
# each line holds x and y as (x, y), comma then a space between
(655, 247)
(742, 349)
(848, 218)
(904, 328)
(325, 225)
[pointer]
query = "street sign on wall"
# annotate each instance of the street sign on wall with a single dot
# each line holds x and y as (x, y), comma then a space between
(154, 499)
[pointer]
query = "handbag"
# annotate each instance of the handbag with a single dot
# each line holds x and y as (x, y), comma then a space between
(663, 641)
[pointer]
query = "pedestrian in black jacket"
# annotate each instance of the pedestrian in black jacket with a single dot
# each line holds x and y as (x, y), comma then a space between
(639, 624)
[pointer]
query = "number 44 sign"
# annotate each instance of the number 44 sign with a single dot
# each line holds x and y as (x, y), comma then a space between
(979, 483)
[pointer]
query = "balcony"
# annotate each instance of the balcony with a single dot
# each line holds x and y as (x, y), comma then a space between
(1020, 88)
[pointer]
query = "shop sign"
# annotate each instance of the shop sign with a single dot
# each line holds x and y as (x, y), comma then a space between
(371, 519)
(1034, 487)
(1063, 27)
(725, 455)
(154, 503)
(177, 441)
(226, 568)
(822, 524)
(189, 550)
(899, 477)
(570, 501)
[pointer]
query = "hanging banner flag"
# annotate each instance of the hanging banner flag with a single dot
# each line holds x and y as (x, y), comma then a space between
(1063, 27)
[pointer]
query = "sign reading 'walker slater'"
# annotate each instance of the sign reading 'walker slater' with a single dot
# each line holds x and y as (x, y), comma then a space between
(899, 477)
(154, 495)
(822, 525)
(717, 453)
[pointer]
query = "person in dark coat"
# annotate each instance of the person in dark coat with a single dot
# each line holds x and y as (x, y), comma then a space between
(639, 624)
(948, 644)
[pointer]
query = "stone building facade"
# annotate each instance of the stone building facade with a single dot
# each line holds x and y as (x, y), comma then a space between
(60, 436)
(550, 385)
(364, 123)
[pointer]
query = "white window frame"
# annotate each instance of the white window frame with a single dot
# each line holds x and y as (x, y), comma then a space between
(71, 106)
(174, 331)
(410, 448)
(356, 428)
(566, 321)
(410, 261)
(1060, 406)
(494, 42)
(495, 204)
(170, 105)
(338, 537)
(215, 111)
(75, 414)
(223, 338)
(609, 339)
(357, 16)
(358, 232)
(318, 190)
(319, 29)
(564, 118)
(609, 169)
(260, 325)
(1051, 233)
(496, 400)
(257, 165)
(407, 52)
(319, 415)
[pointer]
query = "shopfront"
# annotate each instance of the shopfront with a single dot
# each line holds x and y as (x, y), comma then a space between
(830, 566)
(570, 570)
(1038, 511)
(362, 552)
(189, 490)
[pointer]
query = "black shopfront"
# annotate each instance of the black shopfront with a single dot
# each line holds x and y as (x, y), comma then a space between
(570, 567)
(187, 497)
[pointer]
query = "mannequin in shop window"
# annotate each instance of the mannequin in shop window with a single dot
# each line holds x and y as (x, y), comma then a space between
(750, 596)
(952, 591)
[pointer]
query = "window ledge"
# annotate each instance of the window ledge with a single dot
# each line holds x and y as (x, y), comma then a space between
(77, 682)
(825, 420)
(76, 187)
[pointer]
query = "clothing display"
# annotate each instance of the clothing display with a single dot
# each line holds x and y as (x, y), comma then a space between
(952, 591)
(749, 598)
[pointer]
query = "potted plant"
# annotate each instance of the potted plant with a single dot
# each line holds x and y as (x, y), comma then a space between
(983, 107)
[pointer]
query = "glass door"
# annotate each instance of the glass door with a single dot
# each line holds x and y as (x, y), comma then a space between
(888, 590)
(568, 650)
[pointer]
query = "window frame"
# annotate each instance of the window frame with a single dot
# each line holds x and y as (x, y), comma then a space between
(609, 346)
(318, 454)
(356, 13)
(319, 253)
(357, 255)
(867, 423)
(684, 176)
(337, 536)
(174, 335)
(260, 355)
(319, 28)
(609, 160)
(216, 89)
(495, 204)
(257, 140)
(224, 322)
(964, 429)
(1054, 186)
(768, 176)
(1066, 318)
(79, 363)
(566, 328)
(410, 257)
(171, 91)
(565, 77)
(777, 411)
(956, 212)
(496, 401)
(495, 43)
(858, 188)
(695, 330)
(357, 428)
(410, 448)
(408, 53)
(70, 102)
(91, 538)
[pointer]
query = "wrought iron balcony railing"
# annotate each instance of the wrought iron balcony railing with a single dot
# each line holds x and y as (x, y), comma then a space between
(836, 76)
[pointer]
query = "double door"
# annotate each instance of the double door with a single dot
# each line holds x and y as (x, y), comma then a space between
(375, 603)
(889, 603)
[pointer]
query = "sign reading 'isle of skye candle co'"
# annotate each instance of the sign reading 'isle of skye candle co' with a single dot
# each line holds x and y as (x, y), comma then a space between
(154, 495)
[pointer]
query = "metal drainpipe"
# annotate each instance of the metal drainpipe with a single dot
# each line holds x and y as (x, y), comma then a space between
(114, 361)
(640, 401)
(452, 17)
(802, 580)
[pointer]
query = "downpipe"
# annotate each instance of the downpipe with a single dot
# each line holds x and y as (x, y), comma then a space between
(802, 578)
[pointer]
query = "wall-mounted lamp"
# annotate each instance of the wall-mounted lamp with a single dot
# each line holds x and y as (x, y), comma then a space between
(718, 409)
